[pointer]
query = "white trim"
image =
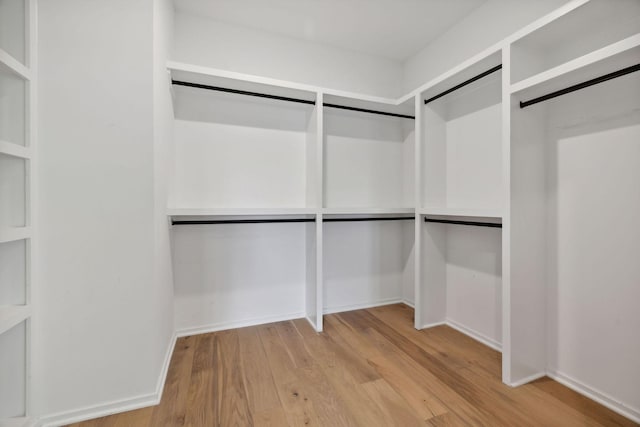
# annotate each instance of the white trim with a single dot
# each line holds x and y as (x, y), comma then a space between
(602, 398)
(12, 234)
(165, 365)
(15, 150)
(433, 325)
(361, 306)
(408, 303)
(116, 406)
(528, 379)
(12, 65)
(222, 326)
(489, 342)
(311, 323)
(100, 410)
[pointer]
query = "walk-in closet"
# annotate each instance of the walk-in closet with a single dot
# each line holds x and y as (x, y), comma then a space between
(292, 212)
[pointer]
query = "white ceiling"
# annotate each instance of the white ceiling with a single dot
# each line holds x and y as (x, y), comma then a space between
(394, 29)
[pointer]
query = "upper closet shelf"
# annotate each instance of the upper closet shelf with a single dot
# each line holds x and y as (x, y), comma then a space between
(181, 212)
(11, 315)
(368, 211)
(15, 150)
(251, 83)
(11, 234)
(603, 61)
(10, 65)
(493, 214)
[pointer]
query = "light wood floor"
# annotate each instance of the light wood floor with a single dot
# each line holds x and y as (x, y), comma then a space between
(369, 368)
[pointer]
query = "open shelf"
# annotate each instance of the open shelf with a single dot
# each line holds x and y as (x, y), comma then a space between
(212, 212)
(368, 157)
(13, 90)
(234, 149)
(13, 362)
(462, 212)
(13, 272)
(367, 211)
(585, 29)
(462, 141)
(10, 65)
(11, 234)
(11, 315)
(13, 29)
(13, 186)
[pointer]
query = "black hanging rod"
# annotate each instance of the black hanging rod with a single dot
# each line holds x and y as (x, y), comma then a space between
(240, 221)
(242, 92)
(582, 85)
(364, 110)
(475, 223)
(464, 83)
(384, 218)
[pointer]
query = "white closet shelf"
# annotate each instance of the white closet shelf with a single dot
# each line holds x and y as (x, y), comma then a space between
(14, 150)
(11, 234)
(462, 212)
(602, 61)
(174, 212)
(249, 82)
(10, 65)
(367, 211)
(11, 315)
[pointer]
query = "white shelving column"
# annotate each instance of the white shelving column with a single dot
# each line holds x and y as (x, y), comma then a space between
(17, 189)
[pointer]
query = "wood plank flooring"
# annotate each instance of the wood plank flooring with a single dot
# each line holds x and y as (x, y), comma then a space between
(369, 368)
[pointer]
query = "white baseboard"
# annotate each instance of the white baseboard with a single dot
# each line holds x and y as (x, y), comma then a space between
(351, 307)
(432, 325)
(528, 379)
(475, 335)
(408, 303)
(602, 398)
(221, 326)
(116, 406)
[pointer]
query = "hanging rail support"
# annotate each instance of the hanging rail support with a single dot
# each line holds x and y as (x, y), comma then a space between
(582, 85)
(364, 110)
(474, 223)
(242, 92)
(464, 83)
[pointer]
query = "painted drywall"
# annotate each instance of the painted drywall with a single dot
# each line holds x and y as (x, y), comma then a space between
(215, 44)
(485, 26)
(103, 308)
(364, 263)
(594, 240)
(231, 275)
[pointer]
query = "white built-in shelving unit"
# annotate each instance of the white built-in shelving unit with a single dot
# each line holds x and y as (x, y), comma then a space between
(450, 200)
(17, 189)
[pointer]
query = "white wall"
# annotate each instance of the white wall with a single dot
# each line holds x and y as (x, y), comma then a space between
(365, 263)
(101, 324)
(487, 25)
(216, 44)
(230, 275)
(594, 240)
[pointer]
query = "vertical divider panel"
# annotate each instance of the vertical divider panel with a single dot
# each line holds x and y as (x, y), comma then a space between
(506, 214)
(314, 191)
(319, 171)
(525, 300)
(417, 202)
(31, 138)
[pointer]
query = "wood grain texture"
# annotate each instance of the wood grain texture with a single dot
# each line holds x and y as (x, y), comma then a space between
(368, 368)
